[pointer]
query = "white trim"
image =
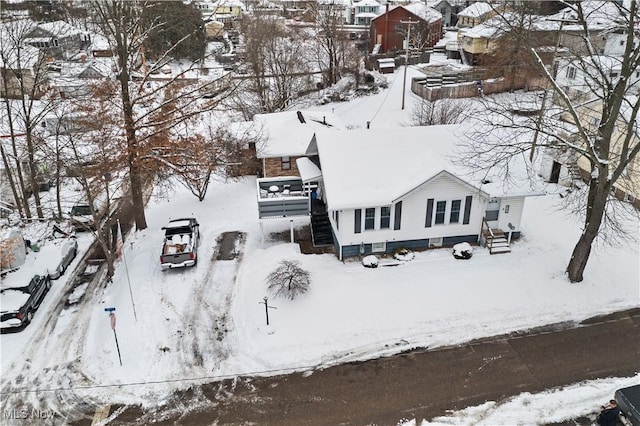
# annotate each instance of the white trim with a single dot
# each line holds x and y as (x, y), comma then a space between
(379, 247)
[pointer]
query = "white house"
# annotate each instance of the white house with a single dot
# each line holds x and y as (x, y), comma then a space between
(364, 11)
(393, 188)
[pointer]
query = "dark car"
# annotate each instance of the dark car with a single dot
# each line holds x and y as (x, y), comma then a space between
(19, 304)
(628, 400)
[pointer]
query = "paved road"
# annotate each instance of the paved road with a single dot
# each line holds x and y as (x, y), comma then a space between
(419, 384)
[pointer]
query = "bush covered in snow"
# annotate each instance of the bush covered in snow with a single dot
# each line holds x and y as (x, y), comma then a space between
(462, 251)
(404, 254)
(370, 261)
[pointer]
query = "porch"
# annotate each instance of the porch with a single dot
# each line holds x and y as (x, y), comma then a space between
(494, 239)
(283, 197)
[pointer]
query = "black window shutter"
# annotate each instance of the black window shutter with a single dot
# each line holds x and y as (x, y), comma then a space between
(398, 216)
(358, 222)
(467, 210)
(427, 222)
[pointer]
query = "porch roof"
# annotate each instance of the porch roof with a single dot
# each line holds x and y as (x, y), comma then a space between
(309, 172)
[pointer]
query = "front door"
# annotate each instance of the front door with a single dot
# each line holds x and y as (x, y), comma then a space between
(492, 212)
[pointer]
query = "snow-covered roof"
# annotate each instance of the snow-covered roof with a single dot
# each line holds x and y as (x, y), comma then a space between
(309, 172)
(476, 10)
(597, 14)
(99, 42)
(60, 28)
(366, 3)
(352, 162)
(285, 135)
(423, 11)
(28, 57)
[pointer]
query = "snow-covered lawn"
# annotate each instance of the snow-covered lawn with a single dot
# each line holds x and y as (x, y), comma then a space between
(206, 322)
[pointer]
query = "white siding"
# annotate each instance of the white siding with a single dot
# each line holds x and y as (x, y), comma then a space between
(514, 214)
(414, 209)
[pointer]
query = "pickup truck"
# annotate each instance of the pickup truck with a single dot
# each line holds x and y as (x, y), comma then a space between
(180, 247)
(18, 304)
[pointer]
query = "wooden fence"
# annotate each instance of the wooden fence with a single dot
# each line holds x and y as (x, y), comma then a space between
(439, 87)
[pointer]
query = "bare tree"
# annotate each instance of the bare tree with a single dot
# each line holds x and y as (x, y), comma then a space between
(289, 279)
(149, 109)
(440, 111)
(277, 67)
(604, 143)
(24, 78)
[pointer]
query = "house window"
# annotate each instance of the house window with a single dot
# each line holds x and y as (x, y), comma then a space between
(454, 217)
(441, 206)
(427, 222)
(467, 210)
(369, 218)
(285, 162)
(337, 220)
(571, 73)
(379, 247)
(397, 216)
(357, 225)
(385, 217)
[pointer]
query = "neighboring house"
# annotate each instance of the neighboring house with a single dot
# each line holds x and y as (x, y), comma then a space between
(222, 10)
(75, 78)
(345, 6)
(578, 84)
(475, 14)
(20, 69)
(426, 29)
(59, 39)
(381, 196)
(565, 166)
(606, 29)
(285, 137)
(100, 47)
(449, 10)
(365, 11)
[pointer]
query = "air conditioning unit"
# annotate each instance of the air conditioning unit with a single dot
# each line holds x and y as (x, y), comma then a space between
(435, 242)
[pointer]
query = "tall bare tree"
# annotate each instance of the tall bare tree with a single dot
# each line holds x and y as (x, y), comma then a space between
(605, 141)
(277, 66)
(23, 78)
(144, 104)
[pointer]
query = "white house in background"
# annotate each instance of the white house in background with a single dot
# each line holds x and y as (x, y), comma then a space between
(365, 10)
(385, 189)
(574, 75)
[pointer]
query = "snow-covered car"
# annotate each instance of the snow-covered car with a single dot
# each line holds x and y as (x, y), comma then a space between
(68, 252)
(18, 304)
(83, 219)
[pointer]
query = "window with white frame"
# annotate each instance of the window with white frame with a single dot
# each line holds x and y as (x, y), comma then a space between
(369, 218)
(454, 216)
(379, 247)
(385, 217)
(285, 162)
(571, 73)
(441, 207)
(337, 220)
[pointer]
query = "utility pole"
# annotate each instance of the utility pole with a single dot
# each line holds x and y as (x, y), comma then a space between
(406, 58)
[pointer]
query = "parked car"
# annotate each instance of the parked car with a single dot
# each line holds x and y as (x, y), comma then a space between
(82, 217)
(19, 304)
(68, 251)
(628, 400)
(180, 246)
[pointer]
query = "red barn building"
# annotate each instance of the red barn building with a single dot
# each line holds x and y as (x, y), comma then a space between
(389, 32)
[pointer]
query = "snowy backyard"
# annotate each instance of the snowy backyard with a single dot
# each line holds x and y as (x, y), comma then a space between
(204, 323)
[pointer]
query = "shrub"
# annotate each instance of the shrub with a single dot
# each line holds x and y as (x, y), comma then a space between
(289, 280)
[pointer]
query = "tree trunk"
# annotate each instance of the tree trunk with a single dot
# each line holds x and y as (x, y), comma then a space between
(135, 179)
(35, 189)
(595, 212)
